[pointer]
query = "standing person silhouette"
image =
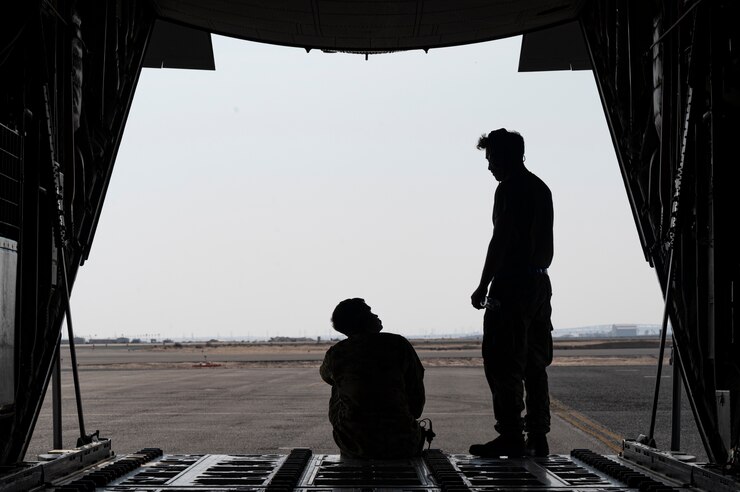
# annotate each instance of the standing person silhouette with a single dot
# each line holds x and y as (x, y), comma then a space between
(377, 387)
(515, 291)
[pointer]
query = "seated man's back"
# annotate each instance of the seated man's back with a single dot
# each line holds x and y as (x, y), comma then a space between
(377, 387)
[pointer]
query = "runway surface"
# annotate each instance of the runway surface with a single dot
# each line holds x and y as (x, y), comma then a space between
(272, 409)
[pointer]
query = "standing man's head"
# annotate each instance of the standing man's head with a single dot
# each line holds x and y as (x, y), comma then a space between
(354, 317)
(504, 152)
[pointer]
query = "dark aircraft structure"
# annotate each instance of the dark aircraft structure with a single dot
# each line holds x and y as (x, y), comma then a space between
(668, 75)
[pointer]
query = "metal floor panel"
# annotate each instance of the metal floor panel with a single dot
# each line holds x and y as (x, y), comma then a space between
(303, 471)
(205, 471)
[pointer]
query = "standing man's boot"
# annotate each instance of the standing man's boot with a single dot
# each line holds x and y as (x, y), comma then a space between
(536, 445)
(511, 445)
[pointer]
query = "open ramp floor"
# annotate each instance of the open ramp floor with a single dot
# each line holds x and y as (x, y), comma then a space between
(95, 468)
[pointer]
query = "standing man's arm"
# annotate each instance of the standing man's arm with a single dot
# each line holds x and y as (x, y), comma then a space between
(497, 250)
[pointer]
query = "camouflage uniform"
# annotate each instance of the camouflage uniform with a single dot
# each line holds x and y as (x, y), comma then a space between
(377, 394)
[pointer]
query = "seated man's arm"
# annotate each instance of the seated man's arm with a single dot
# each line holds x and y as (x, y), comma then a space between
(325, 370)
(415, 382)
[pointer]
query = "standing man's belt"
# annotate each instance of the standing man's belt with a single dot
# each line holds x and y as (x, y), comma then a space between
(514, 272)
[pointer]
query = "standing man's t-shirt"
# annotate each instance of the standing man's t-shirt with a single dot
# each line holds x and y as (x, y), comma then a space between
(522, 223)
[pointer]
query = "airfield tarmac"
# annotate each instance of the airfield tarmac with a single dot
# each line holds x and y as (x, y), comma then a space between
(268, 398)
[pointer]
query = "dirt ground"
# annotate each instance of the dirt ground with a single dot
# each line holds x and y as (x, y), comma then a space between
(434, 353)
(223, 348)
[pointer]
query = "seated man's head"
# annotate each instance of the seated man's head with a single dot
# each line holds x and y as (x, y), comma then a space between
(354, 317)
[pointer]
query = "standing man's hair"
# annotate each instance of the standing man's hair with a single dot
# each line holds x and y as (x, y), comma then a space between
(510, 145)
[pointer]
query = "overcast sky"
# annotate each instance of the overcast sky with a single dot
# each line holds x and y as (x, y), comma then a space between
(248, 201)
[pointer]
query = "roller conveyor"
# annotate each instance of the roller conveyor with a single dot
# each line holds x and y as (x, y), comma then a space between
(94, 467)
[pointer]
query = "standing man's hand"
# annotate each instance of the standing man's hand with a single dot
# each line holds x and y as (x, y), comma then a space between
(478, 298)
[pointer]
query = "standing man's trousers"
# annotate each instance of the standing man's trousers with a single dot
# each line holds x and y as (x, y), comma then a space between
(517, 348)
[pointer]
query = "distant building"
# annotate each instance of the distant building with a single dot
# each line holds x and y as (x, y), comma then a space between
(610, 331)
(624, 330)
(78, 341)
(290, 339)
(105, 341)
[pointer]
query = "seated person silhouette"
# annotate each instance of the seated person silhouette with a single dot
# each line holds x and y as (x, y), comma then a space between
(377, 387)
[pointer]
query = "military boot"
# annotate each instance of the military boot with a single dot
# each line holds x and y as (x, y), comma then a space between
(511, 445)
(536, 445)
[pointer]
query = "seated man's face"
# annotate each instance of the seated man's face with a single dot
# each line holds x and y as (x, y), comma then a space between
(374, 325)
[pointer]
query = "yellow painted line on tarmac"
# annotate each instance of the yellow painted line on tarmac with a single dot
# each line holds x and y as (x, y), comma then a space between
(594, 429)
